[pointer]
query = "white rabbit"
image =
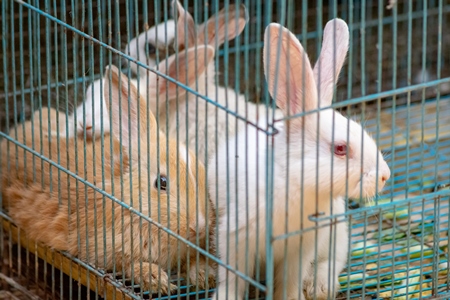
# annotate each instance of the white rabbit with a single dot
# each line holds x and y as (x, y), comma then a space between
(143, 47)
(157, 36)
(199, 124)
(90, 114)
(309, 172)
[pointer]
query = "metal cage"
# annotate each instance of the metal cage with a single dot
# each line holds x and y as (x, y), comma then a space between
(125, 203)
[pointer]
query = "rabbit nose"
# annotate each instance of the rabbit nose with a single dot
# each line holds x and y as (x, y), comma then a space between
(87, 127)
(386, 174)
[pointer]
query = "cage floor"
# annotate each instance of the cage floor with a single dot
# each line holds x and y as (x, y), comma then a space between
(399, 248)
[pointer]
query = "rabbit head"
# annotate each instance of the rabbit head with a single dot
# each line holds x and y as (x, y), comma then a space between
(89, 117)
(335, 149)
(144, 47)
(168, 35)
(225, 25)
(174, 172)
(197, 60)
(92, 114)
(186, 67)
(193, 66)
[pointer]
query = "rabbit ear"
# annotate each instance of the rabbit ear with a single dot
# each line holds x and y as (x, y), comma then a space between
(128, 113)
(288, 71)
(185, 67)
(225, 25)
(186, 27)
(331, 59)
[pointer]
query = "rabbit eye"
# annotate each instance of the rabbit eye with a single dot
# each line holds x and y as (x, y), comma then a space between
(161, 182)
(151, 49)
(340, 149)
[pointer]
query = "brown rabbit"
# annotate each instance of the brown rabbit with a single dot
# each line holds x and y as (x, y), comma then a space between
(157, 177)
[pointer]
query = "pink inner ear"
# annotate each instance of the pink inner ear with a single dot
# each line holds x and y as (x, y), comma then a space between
(293, 94)
(234, 26)
(294, 79)
(175, 70)
(186, 28)
(195, 63)
(331, 59)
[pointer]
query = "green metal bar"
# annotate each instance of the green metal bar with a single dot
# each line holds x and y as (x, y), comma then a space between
(109, 34)
(58, 121)
(141, 242)
(269, 153)
(438, 99)
(424, 46)
(158, 152)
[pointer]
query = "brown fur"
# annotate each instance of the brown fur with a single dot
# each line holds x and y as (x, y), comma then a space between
(65, 214)
(26, 167)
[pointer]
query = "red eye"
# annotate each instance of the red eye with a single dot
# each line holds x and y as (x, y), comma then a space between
(340, 149)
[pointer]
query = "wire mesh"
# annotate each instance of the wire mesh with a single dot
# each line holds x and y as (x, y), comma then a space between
(126, 202)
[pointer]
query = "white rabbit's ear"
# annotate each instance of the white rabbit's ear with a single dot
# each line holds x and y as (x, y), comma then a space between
(161, 35)
(331, 59)
(186, 28)
(288, 71)
(128, 113)
(185, 67)
(225, 25)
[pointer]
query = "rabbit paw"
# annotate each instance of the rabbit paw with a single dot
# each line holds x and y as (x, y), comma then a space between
(203, 275)
(153, 278)
(322, 290)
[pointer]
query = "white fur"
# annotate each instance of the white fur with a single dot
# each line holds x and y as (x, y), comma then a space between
(156, 36)
(89, 115)
(183, 154)
(202, 125)
(68, 129)
(160, 36)
(200, 122)
(302, 179)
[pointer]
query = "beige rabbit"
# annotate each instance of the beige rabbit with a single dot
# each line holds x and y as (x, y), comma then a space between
(156, 179)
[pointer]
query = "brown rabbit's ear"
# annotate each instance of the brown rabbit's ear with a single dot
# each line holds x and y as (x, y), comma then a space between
(128, 113)
(225, 25)
(186, 34)
(288, 71)
(185, 67)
